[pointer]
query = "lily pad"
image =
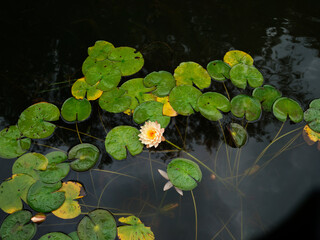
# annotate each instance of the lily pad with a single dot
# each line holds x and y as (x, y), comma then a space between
(164, 81)
(18, 226)
(56, 169)
(245, 105)
(284, 107)
(238, 134)
(100, 50)
(12, 142)
(43, 197)
(218, 70)
(134, 230)
(267, 95)
(13, 190)
(188, 73)
(184, 174)
(75, 110)
(85, 156)
(152, 111)
(210, 103)
(184, 99)
(137, 91)
(70, 208)
(97, 225)
(80, 89)
(312, 115)
(34, 121)
(55, 236)
(167, 109)
(74, 235)
(241, 73)
(29, 164)
(120, 138)
(127, 59)
(115, 101)
(235, 56)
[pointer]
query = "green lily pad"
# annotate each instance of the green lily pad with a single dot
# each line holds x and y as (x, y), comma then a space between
(267, 95)
(29, 164)
(75, 110)
(188, 73)
(245, 105)
(218, 70)
(97, 225)
(12, 142)
(238, 134)
(85, 156)
(13, 190)
(115, 100)
(164, 81)
(43, 197)
(241, 73)
(127, 59)
(120, 138)
(55, 236)
(74, 235)
(137, 91)
(312, 115)
(152, 111)
(80, 89)
(284, 107)
(100, 50)
(134, 230)
(56, 169)
(34, 121)
(210, 103)
(17, 226)
(184, 99)
(235, 57)
(184, 174)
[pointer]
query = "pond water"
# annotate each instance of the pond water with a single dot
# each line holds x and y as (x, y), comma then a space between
(44, 46)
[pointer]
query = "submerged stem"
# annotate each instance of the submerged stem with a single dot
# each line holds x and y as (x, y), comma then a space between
(195, 213)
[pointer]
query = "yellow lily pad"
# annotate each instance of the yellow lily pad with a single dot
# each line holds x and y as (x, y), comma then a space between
(81, 88)
(235, 56)
(134, 230)
(167, 109)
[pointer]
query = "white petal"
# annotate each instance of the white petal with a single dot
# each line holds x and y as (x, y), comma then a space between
(179, 191)
(163, 174)
(167, 186)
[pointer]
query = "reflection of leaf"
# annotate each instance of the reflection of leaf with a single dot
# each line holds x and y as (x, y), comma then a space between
(70, 208)
(312, 115)
(135, 230)
(12, 143)
(235, 56)
(184, 174)
(284, 107)
(188, 73)
(238, 134)
(218, 70)
(163, 80)
(75, 110)
(13, 190)
(121, 137)
(84, 156)
(245, 105)
(267, 95)
(17, 226)
(55, 236)
(34, 121)
(80, 89)
(241, 73)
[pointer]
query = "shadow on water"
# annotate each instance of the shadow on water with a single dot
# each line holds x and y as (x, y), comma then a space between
(44, 45)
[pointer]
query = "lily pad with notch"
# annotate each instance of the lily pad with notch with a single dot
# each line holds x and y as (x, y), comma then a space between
(164, 81)
(189, 73)
(34, 122)
(218, 70)
(12, 142)
(75, 110)
(18, 226)
(81, 89)
(134, 229)
(184, 99)
(152, 111)
(241, 73)
(115, 101)
(99, 225)
(84, 156)
(210, 103)
(121, 138)
(101, 50)
(312, 115)
(55, 236)
(184, 173)
(235, 57)
(243, 105)
(238, 134)
(267, 95)
(284, 107)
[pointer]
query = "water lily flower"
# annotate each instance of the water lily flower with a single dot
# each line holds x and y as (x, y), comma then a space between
(169, 184)
(151, 134)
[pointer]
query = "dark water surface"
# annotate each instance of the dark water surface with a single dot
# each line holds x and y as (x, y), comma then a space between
(45, 42)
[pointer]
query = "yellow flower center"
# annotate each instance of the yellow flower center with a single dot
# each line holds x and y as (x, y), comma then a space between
(151, 133)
